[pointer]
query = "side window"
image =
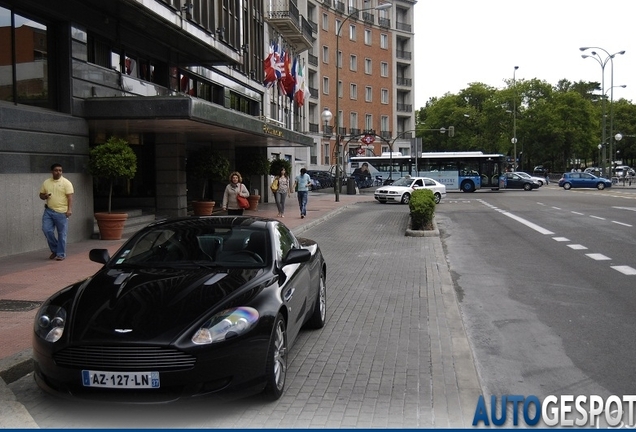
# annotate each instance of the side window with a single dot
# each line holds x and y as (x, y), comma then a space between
(418, 183)
(285, 241)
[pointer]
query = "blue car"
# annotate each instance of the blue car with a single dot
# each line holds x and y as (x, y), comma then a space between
(583, 180)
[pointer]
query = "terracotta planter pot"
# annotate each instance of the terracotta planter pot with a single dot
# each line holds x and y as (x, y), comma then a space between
(111, 225)
(253, 199)
(203, 208)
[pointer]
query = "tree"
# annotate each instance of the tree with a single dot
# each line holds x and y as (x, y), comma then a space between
(206, 164)
(111, 160)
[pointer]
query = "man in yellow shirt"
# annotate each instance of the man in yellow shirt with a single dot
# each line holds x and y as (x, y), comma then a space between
(57, 192)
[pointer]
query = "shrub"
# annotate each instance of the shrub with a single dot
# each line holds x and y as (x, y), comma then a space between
(207, 164)
(111, 160)
(277, 164)
(422, 207)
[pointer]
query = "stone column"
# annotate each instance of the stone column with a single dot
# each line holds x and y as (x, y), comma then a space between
(170, 157)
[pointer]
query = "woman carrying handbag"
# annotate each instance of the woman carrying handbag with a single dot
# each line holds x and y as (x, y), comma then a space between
(233, 190)
(281, 190)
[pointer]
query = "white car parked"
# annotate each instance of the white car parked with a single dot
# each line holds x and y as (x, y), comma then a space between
(400, 190)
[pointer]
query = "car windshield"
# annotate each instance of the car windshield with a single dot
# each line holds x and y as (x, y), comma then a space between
(403, 181)
(197, 246)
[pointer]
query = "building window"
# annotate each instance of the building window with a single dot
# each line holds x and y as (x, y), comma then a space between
(325, 85)
(367, 37)
(325, 22)
(384, 41)
(325, 54)
(352, 32)
(325, 152)
(339, 89)
(353, 62)
(368, 94)
(353, 91)
(353, 120)
(384, 96)
(384, 69)
(337, 27)
(367, 66)
(384, 126)
(28, 54)
(368, 122)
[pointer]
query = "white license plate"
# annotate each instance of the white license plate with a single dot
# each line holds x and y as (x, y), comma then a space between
(120, 379)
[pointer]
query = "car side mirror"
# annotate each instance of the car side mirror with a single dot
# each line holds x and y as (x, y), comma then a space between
(99, 255)
(295, 256)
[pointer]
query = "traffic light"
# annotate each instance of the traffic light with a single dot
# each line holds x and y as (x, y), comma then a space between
(451, 131)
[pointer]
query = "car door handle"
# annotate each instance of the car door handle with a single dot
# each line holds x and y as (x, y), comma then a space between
(289, 294)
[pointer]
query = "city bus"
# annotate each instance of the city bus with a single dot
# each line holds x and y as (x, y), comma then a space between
(465, 171)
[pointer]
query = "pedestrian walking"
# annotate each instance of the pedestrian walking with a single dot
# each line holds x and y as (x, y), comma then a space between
(57, 193)
(281, 189)
(233, 190)
(302, 183)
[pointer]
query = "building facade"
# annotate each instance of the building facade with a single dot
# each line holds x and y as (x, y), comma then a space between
(172, 76)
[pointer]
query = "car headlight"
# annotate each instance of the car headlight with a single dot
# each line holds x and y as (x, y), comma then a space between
(49, 323)
(226, 325)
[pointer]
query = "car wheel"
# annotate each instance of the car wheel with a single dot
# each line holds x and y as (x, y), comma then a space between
(567, 186)
(540, 182)
(527, 186)
(600, 186)
(438, 198)
(319, 316)
(406, 198)
(276, 365)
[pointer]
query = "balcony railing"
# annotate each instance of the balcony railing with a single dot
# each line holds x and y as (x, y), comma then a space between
(314, 127)
(384, 23)
(408, 82)
(354, 131)
(368, 17)
(284, 16)
(403, 26)
(404, 107)
(314, 92)
(401, 54)
(312, 59)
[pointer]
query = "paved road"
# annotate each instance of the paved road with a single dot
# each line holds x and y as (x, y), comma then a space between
(394, 352)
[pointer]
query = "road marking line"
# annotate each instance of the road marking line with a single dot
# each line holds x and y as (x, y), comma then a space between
(598, 257)
(626, 270)
(576, 246)
(578, 213)
(622, 223)
(597, 217)
(561, 239)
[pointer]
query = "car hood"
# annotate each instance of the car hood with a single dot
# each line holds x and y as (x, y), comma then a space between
(155, 304)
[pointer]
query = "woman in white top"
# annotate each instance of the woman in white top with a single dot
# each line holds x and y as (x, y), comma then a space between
(282, 192)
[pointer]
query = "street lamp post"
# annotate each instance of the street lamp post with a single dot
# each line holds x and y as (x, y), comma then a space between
(514, 117)
(337, 115)
(603, 62)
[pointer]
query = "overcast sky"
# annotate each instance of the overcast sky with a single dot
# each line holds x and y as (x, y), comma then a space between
(458, 42)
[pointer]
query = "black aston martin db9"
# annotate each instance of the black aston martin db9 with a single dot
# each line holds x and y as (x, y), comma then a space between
(187, 306)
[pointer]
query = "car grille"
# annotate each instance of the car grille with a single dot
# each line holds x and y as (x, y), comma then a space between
(124, 358)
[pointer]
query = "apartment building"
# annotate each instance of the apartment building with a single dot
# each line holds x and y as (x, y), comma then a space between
(172, 76)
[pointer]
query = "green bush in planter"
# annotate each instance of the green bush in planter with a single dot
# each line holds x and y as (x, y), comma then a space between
(207, 164)
(422, 207)
(277, 164)
(252, 163)
(111, 160)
